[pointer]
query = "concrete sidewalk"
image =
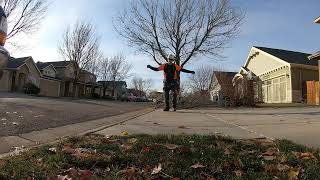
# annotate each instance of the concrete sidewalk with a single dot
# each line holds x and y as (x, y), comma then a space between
(300, 125)
(183, 121)
(9, 143)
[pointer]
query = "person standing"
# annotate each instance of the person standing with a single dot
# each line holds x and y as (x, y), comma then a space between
(170, 82)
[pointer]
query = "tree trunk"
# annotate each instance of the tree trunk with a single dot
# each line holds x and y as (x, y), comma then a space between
(74, 89)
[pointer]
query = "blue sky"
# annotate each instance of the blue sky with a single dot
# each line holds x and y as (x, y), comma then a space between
(283, 24)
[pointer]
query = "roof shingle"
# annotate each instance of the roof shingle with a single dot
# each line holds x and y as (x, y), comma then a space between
(15, 63)
(291, 57)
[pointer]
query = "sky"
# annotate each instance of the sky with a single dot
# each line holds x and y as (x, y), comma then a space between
(282, 24)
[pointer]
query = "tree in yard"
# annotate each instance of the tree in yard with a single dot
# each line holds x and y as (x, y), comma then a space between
(118, 69)
(104, 73)
(24, 16)
(185, 28)
(200, 82)
(80, 45)
(141, 84)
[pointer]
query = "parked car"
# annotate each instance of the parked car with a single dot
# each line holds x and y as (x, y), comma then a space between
(129, 97)
(141, 99)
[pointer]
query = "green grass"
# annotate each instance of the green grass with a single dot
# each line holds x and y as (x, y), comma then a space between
(136, 156)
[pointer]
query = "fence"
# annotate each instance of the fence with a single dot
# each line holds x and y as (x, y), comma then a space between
(313, 92)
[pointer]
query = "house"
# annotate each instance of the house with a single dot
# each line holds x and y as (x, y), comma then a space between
(221, 86)
(280, 75)
(49, 83)
(88, 85)
(316, 56)
(18, 72)
(65, 72)
(120, 88)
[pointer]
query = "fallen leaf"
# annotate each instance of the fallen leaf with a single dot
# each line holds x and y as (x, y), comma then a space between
(196, 166)
(211, 178)
(227, 151)
(283, 167)
(183, 127)
(293, 174)
(307, 155)
(145, 150)
(156, 170)
(270, 152)
(53, 150)
(124, 133)
(15, 123)
(175, 178)
(68, 149)
(3, 119)
(269, 158)
(59, 177)
(132, 140)
(72, 173)
(85, 174)
(238, 173)
(171, 146)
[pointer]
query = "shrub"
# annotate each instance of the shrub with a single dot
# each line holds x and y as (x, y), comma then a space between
(31, 88)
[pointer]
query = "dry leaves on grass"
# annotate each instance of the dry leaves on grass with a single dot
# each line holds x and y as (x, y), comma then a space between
(71, 174)
(306, 155)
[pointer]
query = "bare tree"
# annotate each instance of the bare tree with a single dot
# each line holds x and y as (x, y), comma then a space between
(185, 28)
(80, 45)
(200, 82)
(104, 73)
(141, 85)
(118, 69)
(24, 16)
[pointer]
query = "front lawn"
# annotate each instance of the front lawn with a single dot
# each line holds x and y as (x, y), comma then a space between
(164, 157)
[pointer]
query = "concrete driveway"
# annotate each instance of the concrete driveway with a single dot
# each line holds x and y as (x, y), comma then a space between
(22, 114)
(300, 124)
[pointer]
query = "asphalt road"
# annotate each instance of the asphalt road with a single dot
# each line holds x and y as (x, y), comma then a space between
(22, 114)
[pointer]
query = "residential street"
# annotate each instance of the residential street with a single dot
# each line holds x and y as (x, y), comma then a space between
(22, 114)
(300, 124)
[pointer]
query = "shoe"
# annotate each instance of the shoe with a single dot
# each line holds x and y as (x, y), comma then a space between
(174, 109)
(166, 109)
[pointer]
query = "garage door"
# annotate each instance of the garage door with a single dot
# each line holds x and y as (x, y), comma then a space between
(50, 88)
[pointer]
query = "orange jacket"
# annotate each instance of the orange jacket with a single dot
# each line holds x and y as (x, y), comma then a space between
(177, 69)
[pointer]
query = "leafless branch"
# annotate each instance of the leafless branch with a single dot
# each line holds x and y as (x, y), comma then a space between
(80, 45)
(185, 28)
(24, 16)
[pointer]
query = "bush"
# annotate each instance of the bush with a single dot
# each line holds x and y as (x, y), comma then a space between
(31, 88)
(95, 96)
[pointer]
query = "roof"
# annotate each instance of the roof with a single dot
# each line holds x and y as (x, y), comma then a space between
(291, 57)
(118, 83)
(15, 63)
(43, 65)
(315, 56)
(59, 63)
(225, 77)
(317, 20)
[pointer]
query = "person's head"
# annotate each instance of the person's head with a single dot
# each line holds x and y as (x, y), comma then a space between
(171, 59)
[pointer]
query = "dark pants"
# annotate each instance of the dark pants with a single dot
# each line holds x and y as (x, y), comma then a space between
(167, 87)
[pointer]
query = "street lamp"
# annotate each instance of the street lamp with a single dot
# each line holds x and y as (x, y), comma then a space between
(4, 54)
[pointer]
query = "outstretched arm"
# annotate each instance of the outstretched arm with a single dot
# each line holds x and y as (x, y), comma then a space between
(153, 68)
(187, 71)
